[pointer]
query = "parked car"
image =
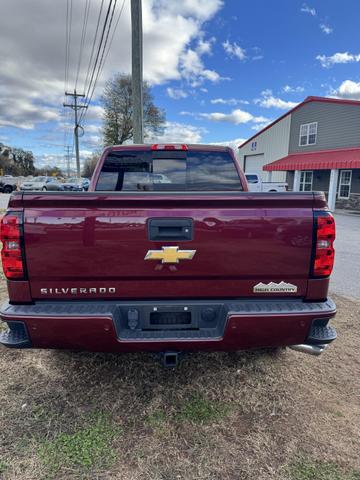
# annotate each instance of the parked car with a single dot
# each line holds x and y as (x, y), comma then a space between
(85, 184)
(8, 184)
(256, 184)
(54, 184)
(41, 184)
(195, 263)
(75, 184)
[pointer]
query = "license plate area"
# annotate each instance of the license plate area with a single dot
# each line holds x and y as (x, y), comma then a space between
(166, 319)
(170, 318)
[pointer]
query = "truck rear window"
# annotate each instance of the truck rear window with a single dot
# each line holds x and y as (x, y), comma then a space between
(168, 171)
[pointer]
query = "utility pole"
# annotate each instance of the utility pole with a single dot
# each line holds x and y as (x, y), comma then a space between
(137, 70)
(76, 107)
(67, 157)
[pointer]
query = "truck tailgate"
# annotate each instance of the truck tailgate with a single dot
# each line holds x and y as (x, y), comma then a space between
(93, 245)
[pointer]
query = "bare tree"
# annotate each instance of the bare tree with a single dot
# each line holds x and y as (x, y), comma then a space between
(118, 109)
(16, 161)
(89, 165)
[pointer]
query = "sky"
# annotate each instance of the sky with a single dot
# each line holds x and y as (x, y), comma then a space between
(221, 70)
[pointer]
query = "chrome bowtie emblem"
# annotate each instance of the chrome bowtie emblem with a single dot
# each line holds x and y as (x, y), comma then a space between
(170, 255)
(273, 287)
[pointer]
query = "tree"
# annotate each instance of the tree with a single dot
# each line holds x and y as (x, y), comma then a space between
(23, 162)
(16, 161)
(118, 109)
(89, 165)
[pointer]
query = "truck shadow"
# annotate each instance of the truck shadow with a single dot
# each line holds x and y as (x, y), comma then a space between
(129, 382)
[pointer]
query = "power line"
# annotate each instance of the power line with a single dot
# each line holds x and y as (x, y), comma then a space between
(102, 57)
(96, 61)
(113, 35)
(83, 36)
(75, 106)
(93, 44)
(69, 8)
(98, 50)
(100, 46)
(68, 157)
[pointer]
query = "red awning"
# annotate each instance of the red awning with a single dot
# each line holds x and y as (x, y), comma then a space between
(323, 160)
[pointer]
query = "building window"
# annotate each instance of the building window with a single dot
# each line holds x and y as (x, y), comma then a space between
(253, 146)
(308, 133)
(306, 180)
(344, 184)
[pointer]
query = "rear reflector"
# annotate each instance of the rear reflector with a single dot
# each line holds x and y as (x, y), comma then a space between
(324, 248)
(158, 146)
(11, 253)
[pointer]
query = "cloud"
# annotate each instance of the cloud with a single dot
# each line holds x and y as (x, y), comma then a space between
(169, 28)
(234, 50)
(234, 144)
(269, 101)
(204, 47)
(326, 28)
(193, 71)
(344, 57)
(306, 9)
(259, 126)
(228, 101)
(60, 160)
(236, 117)
(289, 89)
(22, 113)
(348, 89)
(176, 93)
(179, 132)
(32, 61)
(201, 9)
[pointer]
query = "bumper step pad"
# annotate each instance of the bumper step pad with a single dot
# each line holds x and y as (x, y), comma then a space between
(132, 321)
(321, 334)
(15, 336)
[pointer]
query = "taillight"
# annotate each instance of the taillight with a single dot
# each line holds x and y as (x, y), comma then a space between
(324, 249)
(11, 253)
(158, 146)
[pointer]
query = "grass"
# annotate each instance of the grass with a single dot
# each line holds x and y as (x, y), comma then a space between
(84, 449)
(197, 410)
(200, 410)
(156, 419)
(218, 416)
(306, 469)
(2, 466)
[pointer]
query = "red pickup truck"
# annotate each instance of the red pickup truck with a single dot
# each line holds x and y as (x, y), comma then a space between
(168, 252)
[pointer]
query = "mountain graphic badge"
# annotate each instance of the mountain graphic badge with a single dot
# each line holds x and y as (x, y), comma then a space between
(272, 287)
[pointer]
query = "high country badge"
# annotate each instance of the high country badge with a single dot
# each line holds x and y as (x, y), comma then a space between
(273, 287)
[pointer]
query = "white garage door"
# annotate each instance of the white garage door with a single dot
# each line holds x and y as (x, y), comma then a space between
(254, 164)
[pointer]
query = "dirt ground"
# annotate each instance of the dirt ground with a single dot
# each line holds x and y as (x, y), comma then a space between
(218, 416)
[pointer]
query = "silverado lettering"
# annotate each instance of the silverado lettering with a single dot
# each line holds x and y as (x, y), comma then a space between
(242, 269)
(76, 290)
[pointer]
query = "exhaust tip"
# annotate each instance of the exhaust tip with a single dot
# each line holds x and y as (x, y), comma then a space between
(309, 349)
